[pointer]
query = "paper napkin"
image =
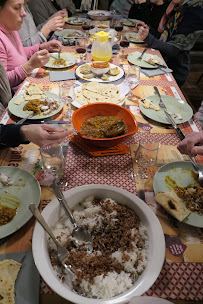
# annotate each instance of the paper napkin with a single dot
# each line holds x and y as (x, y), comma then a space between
(59, 76)
(154, 72)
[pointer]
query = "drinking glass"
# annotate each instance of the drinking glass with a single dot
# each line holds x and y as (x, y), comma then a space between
(133, 79)
(80, 49)
(124, 43)
(86, 26)
(67, 100)
(53, 161)
(118, 27)
(146, 156)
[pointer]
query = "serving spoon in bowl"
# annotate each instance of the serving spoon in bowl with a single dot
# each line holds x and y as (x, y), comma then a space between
(80, 235)
(62, 253)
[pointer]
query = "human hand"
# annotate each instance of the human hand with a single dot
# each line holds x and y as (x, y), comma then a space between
(51, 46)
(63, 13)
(139, 24)
(143, 32)
(42, 134)
(192, 144)
(37, 60)
(54, 24)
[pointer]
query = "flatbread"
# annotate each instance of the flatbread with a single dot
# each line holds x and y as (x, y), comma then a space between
(148, 104)
(8, 274)
(97, 92)
(33, 91)
(19, 101)
(173, 204)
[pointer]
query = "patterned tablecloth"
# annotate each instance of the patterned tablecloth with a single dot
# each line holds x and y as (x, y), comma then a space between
(180, 277)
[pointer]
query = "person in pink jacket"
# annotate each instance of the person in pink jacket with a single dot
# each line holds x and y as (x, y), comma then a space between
(19, 61)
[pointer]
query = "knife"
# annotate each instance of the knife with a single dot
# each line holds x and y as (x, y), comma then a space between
(177, 129)
(156, 64)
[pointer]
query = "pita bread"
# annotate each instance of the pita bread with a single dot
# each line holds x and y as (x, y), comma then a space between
(19, 101)
(173, 204)
(8, 274)
(96, 92)
(33, 91)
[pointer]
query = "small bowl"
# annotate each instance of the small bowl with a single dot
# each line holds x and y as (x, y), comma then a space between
(102, 27)
(108, 109)
(99, 71)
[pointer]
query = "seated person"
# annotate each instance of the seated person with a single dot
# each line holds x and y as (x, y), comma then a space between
(13, 135)
(19, 61)
(5, 90)
(150, 11)
(122, 6)
(30, 34)
(192, 144)
(43, 9)
(179, 28)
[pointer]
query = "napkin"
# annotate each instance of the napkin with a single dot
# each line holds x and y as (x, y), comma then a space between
(27, 285)
(154, 72)
(59, 76)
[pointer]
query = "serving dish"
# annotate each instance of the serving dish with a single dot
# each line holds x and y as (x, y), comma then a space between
(107, 109)
(52, 213)
(103, 67)
(99, 15)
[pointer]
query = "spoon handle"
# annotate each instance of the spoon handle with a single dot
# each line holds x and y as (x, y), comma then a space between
(40, 219)
(62, 201)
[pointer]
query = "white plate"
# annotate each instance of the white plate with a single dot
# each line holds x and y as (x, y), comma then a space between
(124, 90)
(75, 21)
(98, 79)
(70, 61)
(17, 110)
(132, 58)
(52, 213)
(26, 189)
(180, 172)
(129, 22)
(69, 33)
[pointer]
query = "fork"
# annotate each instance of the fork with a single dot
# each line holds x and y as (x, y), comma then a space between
(25, 118)
(59, 53)
(62, 253)
(140, 57)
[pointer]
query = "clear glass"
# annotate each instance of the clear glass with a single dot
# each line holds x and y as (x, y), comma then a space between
(64, 94)
(146, 156)
(53, 161)
(118, 26)
(133, 79)
(124, 43)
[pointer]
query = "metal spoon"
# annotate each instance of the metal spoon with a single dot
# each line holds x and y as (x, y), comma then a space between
(62, 253)
(80, 234)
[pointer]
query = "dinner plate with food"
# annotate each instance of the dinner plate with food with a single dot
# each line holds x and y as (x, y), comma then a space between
(180, 110)
(133, 37)
(18, 188)
(65, 61)
(100, 71)
(75, 20)
(177, 190)
(146, 61)
(129, 22)
(35, 101)
(92, 92)
(69, 33)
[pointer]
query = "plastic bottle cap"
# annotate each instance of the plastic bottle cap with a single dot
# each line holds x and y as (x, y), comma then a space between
(102, 36)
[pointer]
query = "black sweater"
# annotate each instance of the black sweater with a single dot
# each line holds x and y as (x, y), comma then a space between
(148, 12)
(10, 136)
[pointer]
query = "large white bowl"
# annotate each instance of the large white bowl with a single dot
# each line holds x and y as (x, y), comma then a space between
(99, 15)
(155, 234)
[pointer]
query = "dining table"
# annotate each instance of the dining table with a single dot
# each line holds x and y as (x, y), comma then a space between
(181, 277)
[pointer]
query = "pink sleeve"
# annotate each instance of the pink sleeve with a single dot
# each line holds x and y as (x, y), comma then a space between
(30, 50)
(16, 75)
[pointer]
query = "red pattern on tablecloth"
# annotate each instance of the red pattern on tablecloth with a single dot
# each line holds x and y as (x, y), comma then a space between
(180, 281)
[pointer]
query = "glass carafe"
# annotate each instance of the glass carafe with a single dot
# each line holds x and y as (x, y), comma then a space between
(101, 48)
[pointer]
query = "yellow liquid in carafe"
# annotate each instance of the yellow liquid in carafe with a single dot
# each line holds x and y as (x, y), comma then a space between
(101, 58)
